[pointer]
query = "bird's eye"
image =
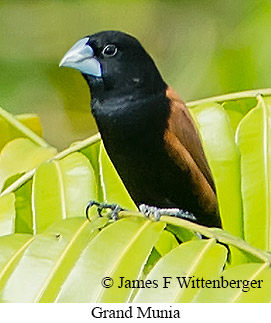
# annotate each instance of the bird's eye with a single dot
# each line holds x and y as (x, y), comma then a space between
(109, 50)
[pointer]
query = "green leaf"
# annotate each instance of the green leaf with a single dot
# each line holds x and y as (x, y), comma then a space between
(62, 189)
(30, 155)
(224, 160)
(76, 180)
(114, 189)
(23, 205)
(254, 139)
(7, 214)
(10, 181)
(236, 110)
(77, 172)
(260, 273)
(152, 260)
(181, 233)
(166, 242)
(198, 258)
(76, 147)
(67, 261)
(48, 199)
(47, 261)
(92, 152)
(11, 128)
(120, 250)
(247, 97)
(235, 115)
(220, 235)
(31, 121)
(12, 248)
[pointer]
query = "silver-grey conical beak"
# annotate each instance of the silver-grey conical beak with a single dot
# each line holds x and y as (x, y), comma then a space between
(81, 57)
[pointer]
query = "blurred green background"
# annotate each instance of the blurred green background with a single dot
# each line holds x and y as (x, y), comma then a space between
(202, 48)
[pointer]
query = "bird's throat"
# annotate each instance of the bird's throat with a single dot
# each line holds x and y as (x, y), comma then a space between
(131, 128)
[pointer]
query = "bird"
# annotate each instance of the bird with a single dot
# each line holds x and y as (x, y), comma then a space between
(147, 130)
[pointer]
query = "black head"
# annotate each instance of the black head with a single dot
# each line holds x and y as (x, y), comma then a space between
(114, 64)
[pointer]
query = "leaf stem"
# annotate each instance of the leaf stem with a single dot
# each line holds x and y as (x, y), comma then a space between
(231, 96)
(218, 234)
(73, 148)
(23, 129)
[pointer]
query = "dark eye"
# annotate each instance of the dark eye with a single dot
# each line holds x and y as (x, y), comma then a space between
(109, 50)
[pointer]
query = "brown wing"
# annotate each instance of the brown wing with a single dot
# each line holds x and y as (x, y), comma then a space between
(183, 143)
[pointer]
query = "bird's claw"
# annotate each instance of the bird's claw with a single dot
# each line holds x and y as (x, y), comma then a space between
(115, 208)
(156, 212)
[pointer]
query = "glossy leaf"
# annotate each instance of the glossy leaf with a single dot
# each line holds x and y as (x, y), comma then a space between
(66, 260)
(31, 121)
(23, 205)
(12, 248)
(47, 260)
(235, 115)
(251, 253)
(92, 152)
(48, 200)
(254, 140)
(21, 155)
(182, 234)
(120, 250)
(258, 292)
(237, 109)
(202, 258)
(62, 189)
(77, 172)
(114, 190)
(7, 214)
(12, 128)
(166, 242)
(224, 160)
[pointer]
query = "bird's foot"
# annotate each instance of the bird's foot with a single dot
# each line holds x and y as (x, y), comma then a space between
(115, 208)
(156, 212)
